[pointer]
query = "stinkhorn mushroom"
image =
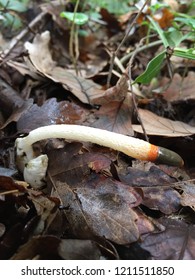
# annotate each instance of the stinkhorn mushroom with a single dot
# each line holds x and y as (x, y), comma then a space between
(35, 168)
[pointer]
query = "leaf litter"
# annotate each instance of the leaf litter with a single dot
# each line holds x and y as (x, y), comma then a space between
(96, 203)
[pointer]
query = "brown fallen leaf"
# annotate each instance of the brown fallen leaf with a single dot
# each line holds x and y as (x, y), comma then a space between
(7, 184)
(164, 17)
(115, 116)
(138, 177)
(41, 62)
(68, 166)
(188, 193)
(101, 207)
(144, 224)
(156, 125)
(51, 112)
(156, 186)
(76, 224)
(116, 93)
(112, 22)
(108, 215)
(164, 199)
(95, 62)
(177, 242)
(92, 54)
(181, 88)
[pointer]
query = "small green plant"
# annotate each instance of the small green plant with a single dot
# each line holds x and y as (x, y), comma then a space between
(9, 10)
(78, 18)
(113, 7)
(91, 11)
(171, 39)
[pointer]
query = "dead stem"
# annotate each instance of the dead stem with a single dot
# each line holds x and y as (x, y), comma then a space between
(131, 87)
(142, 48)
(122, 42)
(73, 42)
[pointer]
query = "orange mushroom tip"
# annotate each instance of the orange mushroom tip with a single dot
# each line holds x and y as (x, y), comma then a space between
(164, 156)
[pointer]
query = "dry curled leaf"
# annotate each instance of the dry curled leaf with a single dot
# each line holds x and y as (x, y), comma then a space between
(40, 61)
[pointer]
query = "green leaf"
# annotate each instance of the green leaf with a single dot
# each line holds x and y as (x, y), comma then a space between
(12, 20)
(78, 18)
(16, 6)
(185, 53)
(187, 21)
(3, 3)
(113, 7)
(160, 31)
(158, 6)
(152, 70)
(174, 37)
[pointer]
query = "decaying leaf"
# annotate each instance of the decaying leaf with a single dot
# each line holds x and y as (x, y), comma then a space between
(164, 199)
(116, 93)
(177, 242)
(103, 208)
(181, 88)
(115, 116)
(108, 215)
(188, 194)
(156, 125)
(7, 184)
(41, 62)
(76, 224)
(139, 177)
(51, 112)
(157, 188)
(164, 17)
(68, 166)
(97, 203)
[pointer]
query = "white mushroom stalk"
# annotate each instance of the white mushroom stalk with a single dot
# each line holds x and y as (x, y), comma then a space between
(130, 146)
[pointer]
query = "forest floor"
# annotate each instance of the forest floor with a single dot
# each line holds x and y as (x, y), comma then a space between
(130, 73)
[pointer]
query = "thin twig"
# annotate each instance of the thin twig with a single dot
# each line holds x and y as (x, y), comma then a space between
(122, 42)
(142, 48)
(131, 87)
(74, 52)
